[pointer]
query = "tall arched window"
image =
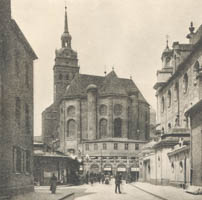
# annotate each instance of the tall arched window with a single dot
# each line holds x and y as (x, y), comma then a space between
(176, 91)
(169, 99)
(103, 128)
(185, 83)
(196, 70)
(18, 110)
(71, 128)
(117, 127)
(162, 104)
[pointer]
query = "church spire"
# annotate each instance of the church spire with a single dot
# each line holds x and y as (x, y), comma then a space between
(66, 37)
(66, 22)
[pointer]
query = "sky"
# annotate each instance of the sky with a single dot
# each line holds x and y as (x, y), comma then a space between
(128, 35)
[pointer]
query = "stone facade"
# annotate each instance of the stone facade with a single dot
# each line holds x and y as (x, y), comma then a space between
(178, 85)
(16, 106)
(88, 109)
(195, 115)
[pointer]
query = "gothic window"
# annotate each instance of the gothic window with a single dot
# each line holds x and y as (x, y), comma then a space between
(27, 161)
(115, 146)
(118, 109)
(169, 99)
(103, 128)
(162, 104)
(18, 160)
(117, 127)
(185, 83)
(71, 128)
(104, 146)
(103, 110)
(71, 111)
(27, 122)
(18, 110)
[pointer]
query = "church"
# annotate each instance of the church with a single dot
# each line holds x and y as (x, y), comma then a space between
(104, 120)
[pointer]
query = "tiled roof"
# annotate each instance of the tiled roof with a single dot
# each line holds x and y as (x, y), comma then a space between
(108, 85)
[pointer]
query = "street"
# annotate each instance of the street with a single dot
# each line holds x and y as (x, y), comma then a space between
(104, 192)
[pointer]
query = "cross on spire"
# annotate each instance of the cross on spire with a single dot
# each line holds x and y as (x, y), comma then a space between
(66, 23)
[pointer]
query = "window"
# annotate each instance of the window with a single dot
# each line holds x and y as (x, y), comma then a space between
(115, 146)
(136, 146)
(103, 128)
(126, 146)
(71, 111)
(27, 122)
(103, 110)
(162, 104)
(95, 146)
(185, 83)
(172, 167)
(104, 146)
(118, 109)
(169, 125)
(169, 99)
(117, 127)
(27, 161)
(17, 110)
(71, 128)
(18, 160)
(87, 147)
(196, 72)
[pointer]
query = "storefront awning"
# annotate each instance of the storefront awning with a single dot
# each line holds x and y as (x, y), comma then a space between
(134, 169)
(107, 169)
(121, 169)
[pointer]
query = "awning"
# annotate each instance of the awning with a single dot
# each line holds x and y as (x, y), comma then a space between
(121, 169)
(134, 169)
(107, 169)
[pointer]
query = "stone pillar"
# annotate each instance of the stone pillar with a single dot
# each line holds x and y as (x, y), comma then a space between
(110, 119)
(92, 111)
(134, 117)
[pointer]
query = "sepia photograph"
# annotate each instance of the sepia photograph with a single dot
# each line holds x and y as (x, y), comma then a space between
(100, 99)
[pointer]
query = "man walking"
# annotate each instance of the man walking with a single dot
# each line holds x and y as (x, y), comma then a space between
(117, 183)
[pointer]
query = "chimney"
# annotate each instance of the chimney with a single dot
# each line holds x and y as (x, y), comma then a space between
(5, 10)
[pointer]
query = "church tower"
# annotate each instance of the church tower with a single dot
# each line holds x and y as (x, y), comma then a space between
(66, 63)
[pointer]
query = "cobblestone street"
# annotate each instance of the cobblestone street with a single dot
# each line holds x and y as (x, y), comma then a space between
(106, 192)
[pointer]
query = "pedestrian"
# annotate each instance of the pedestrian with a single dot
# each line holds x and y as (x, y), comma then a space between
(87, 177)
(117, 183)
(53, 183)
(91, 178)
(103, 178)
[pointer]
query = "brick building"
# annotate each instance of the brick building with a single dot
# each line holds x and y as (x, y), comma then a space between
(103, 117)
(16, 106)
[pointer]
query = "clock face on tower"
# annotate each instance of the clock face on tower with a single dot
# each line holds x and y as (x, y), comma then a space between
(118, 109)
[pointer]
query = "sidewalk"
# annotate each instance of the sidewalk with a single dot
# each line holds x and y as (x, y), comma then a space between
(166, 192)
(43, 193)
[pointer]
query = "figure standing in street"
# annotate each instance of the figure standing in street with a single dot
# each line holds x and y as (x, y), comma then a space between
(117, 183)
(53, 183)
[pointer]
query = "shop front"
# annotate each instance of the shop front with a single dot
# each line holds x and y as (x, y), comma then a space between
(107, 169)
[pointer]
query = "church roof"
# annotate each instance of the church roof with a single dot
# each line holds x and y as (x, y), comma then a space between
(110, 84)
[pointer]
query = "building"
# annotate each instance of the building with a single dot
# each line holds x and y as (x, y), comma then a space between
(195, 115)
(16, 106)
(159, 160)
(104, 119)
(48, 161)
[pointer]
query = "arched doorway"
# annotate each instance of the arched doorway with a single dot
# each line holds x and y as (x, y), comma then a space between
(107, 169)
(94, 168)
(117, 127)
(121, 168)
